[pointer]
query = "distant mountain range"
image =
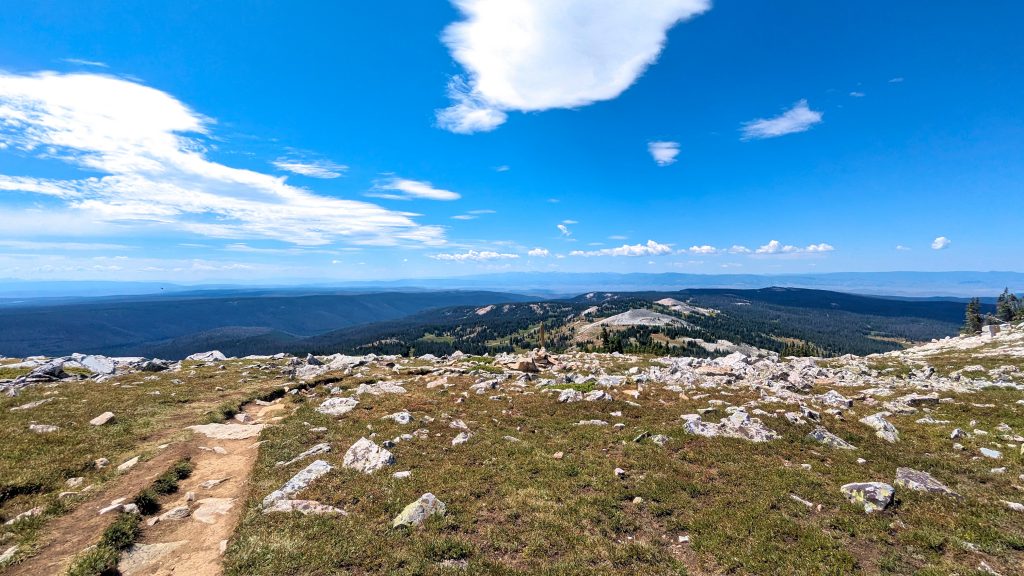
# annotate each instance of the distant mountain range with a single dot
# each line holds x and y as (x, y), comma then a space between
(564, 284)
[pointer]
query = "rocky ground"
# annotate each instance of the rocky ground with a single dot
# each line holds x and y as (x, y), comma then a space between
(908, 462)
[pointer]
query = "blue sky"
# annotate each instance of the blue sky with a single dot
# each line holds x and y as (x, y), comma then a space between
(198, 141)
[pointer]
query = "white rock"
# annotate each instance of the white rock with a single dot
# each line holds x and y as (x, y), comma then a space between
(367, 457)
(102, 419)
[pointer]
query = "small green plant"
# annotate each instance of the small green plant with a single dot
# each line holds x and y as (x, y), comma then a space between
(122, 533)
(147, 502)
(97, 561)
(448, 549)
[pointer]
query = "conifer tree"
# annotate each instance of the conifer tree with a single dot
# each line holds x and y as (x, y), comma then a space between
(972, 317)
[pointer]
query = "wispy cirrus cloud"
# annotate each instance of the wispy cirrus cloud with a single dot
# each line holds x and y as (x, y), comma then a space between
(475, 256)
(29, 245)
(148, 150)
(564, 230)
(314, 169)
(799, 118)
(82, 62)
(406, 189)
(664, 153)
(533, 55)
(651, 248)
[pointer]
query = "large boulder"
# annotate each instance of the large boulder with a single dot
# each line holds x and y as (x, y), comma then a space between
(98, 364)
(211, 356)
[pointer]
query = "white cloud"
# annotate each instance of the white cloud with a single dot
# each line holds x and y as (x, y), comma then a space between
(776, 247)
(153, 174)
(564, 230)
(940, 243)
(314, 169)
(474, 256)
(532, 55)
(799, 118)
(652, 248)
(902, 248)
(618, 237)
(405, 189)
(502, 168)
(737, 249)
(705, 249)
(896, 80)
(664, 153)
(539, 253)
(570, 222)
(856, 94)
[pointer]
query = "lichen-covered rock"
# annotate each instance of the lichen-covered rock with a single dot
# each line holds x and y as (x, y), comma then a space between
(874, 496)
(367, 457)
(921, 482)
(416, 513)
(883, 428)
(820, 434)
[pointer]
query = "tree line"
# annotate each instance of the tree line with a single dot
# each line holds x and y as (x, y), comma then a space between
(1009, 308)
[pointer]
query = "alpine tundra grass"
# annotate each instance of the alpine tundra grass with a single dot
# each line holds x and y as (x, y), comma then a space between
(573, 464)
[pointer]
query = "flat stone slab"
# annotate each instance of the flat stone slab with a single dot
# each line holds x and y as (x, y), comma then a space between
(141, 558)
(298, 483)
(228, 431)
(208, 509)
(921, 482)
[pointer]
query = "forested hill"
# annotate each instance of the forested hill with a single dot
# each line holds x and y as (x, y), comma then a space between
(176, 325)
(782, 319)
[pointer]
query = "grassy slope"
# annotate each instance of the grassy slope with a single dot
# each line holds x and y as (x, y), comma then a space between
(513, 509)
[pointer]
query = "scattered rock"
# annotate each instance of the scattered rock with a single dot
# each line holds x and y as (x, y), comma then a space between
(737, 425)
(102, 419)
(921, 482)
(820, 434)
(883, 428)
(337, 406)
(321, 448)
(299, 482)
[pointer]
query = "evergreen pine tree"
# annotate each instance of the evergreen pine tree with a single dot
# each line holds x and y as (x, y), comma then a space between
(1004, 306)
(972, 317)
